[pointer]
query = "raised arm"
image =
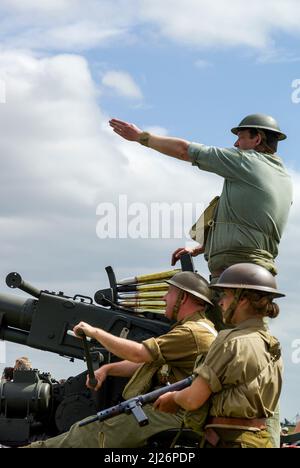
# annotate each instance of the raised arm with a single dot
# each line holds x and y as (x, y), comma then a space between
(174, 147)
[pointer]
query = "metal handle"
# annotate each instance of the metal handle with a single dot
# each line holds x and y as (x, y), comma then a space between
(88, 357)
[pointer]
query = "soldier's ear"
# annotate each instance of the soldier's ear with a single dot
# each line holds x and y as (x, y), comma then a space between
(185, 297)
(259, 139)
(244, 300)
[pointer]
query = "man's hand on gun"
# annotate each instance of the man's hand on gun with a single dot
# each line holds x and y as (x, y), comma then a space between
(100, 375)
(84, 329)
(193, 251)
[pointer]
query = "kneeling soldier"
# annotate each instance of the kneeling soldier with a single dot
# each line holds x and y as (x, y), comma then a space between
(242, 373)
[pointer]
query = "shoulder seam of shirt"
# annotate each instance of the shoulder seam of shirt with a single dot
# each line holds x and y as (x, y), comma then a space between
(244, 337)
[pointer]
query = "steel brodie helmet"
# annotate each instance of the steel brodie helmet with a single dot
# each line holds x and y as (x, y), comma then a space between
(248, 276)
(193, 284)
(260, 122)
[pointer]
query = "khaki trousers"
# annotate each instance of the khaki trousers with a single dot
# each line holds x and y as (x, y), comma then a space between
(121, 431)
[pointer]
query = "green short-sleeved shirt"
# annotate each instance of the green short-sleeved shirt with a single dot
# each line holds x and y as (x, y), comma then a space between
(253, 209)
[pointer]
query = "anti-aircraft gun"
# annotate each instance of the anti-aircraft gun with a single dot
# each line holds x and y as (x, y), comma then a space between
(33, 405)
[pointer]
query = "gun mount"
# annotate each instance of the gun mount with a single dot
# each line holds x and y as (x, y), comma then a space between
(44, 322)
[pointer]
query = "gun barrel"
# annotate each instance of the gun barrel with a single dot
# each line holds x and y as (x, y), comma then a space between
(14, 336)
(14, 280)
(16, 312)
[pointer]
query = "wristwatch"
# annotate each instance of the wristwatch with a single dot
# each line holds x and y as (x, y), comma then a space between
(144, 138)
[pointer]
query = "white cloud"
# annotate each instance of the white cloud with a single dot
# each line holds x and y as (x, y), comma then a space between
(80, 35)
(64, 25)
(290, 249)
(70, 25)
(43, 6)
(203, 23)
(61, 160)
(122, 83)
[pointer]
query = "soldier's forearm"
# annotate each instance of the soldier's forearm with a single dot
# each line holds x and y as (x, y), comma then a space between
(122, 369)
(193, 397)
(173, 147)
(125, 349)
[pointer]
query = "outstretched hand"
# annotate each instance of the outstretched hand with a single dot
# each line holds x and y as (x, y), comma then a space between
(126, 130)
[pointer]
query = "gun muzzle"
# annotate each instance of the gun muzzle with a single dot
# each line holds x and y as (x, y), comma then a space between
(14, 280)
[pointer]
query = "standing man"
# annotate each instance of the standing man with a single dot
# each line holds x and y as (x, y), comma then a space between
(151, 364)
(256, 198)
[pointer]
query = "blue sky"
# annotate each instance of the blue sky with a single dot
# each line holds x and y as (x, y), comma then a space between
(192, 69)
(203, 102)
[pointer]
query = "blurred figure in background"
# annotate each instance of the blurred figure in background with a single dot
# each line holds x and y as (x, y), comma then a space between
(23, 364)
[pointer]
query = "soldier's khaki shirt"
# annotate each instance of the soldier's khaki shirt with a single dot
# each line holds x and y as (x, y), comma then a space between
(180, 347)
(246, 382)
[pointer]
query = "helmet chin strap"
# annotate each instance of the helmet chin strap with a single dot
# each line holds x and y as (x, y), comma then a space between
(177, 306)
(229, 313)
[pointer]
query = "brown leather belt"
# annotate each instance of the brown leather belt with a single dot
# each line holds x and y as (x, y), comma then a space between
(254, 424)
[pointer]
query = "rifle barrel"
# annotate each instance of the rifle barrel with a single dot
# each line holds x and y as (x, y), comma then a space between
(128, 405)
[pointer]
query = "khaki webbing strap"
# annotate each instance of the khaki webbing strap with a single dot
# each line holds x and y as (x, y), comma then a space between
(209, 328)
